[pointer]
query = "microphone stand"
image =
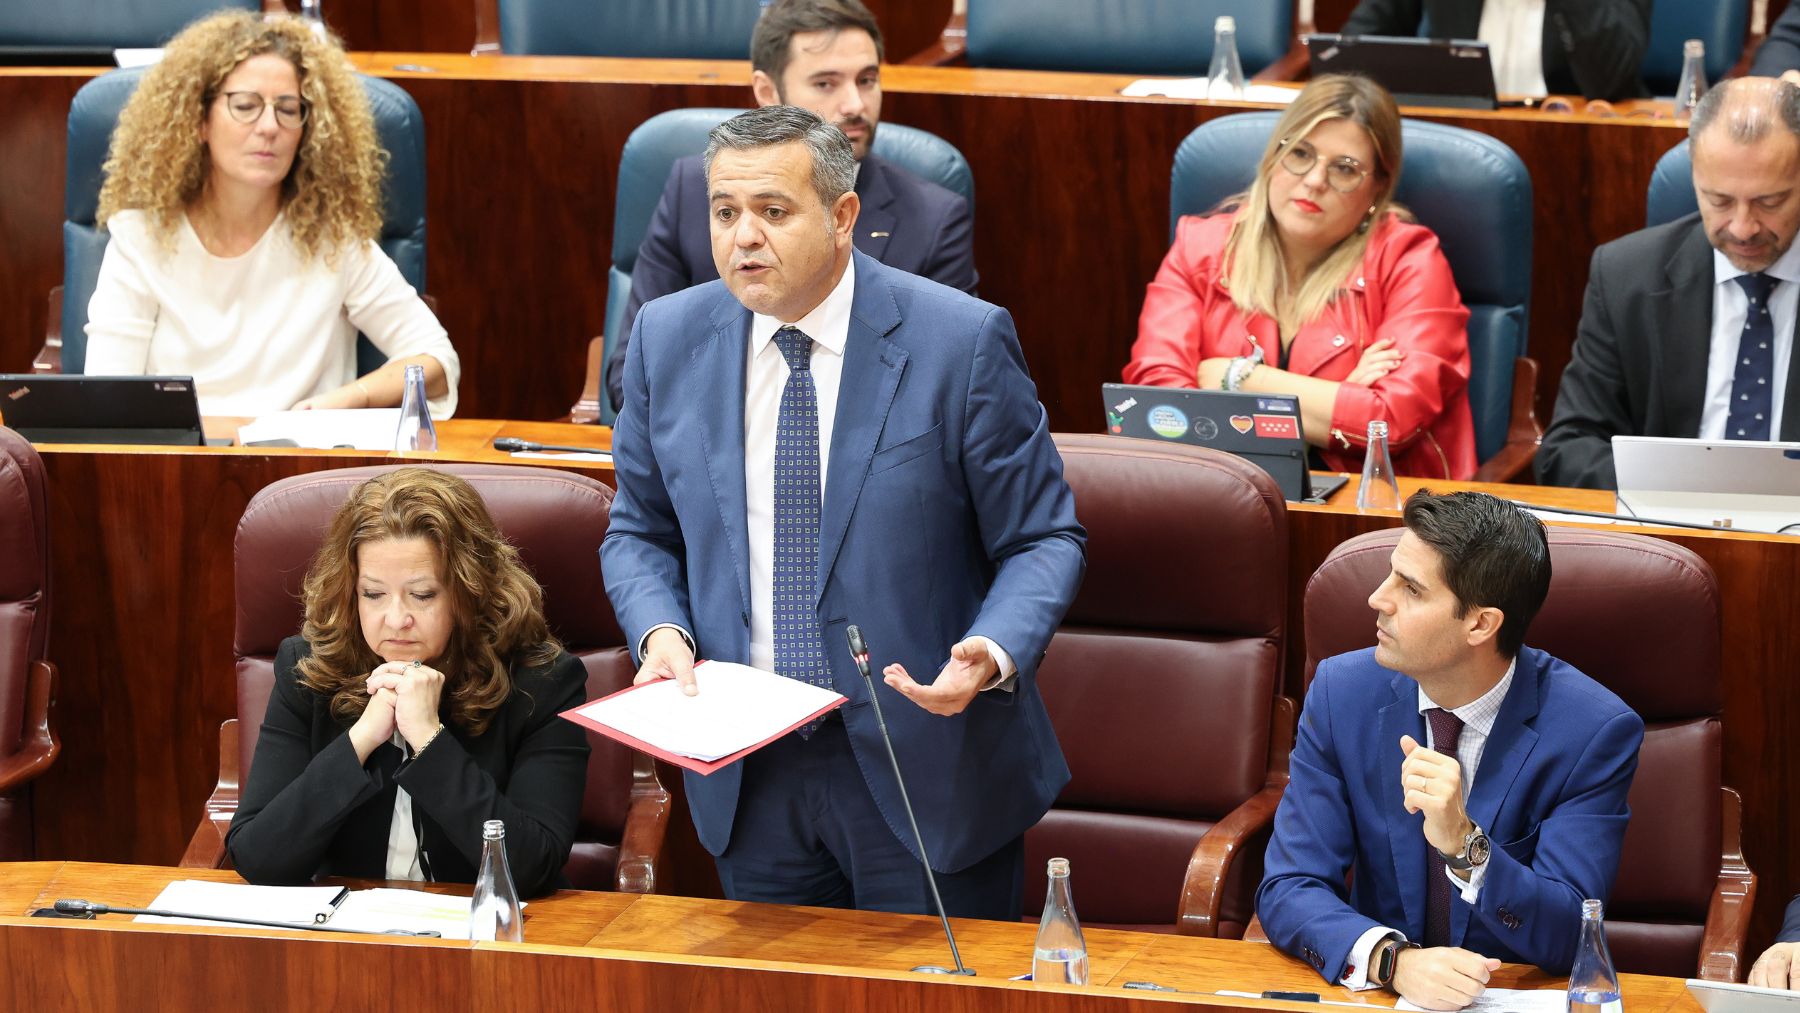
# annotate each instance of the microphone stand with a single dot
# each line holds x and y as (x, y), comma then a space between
(82, 907)
(859, 650)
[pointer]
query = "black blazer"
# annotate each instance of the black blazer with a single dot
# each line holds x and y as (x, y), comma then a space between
(906, 222)
(1638, 367)
(1592, 48)
(310, 809)
(1780, 50)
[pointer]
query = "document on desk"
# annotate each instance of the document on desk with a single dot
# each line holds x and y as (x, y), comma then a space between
(361, 428)
(301, 905)
(1510, 1000)
(738, 710)
(1198, 88)
(384, 910)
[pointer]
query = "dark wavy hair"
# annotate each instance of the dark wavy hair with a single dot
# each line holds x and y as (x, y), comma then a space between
(497, 606)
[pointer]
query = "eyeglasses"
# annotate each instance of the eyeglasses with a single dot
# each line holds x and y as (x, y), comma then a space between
(248, 106)
(1344, 175)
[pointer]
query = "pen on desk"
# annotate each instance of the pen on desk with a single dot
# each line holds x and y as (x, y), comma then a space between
(331, 906)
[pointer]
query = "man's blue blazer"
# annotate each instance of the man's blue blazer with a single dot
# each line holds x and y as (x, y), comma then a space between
(1550, 793)
(906, 222)
(945, 515)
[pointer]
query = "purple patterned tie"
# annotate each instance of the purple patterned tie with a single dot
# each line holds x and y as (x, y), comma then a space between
(1446, 728)
(799, 643)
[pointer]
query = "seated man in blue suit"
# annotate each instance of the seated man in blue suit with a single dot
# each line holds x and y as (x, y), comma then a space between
(1455, 795)
(819, 440)
(1779, 965)
(825, 57)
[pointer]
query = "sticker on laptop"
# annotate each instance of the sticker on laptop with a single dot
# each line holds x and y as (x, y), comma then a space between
(1274, 404)
(1281, 427)
(1206, 428)
(1167, 421)
(1243, 423)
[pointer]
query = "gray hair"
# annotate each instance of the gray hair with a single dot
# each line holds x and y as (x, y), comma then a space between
(1750, 107)
(833, 159)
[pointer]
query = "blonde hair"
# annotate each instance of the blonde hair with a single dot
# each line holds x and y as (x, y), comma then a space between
(497, 604)
(158, 164)
(1255, 270)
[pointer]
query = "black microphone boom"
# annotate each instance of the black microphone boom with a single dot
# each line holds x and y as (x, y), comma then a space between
(860, 652)
(82, 907)
(514, 445)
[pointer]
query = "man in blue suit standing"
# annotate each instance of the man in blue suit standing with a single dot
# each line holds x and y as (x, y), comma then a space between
(818, 440)
(825, 57)
(1455, 795)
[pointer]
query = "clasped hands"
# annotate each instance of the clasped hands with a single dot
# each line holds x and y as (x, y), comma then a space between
(1441, 977)
(403, 696)
(971, 666)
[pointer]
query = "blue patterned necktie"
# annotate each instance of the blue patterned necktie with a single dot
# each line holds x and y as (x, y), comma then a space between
(1752, 397)
(799, 644)
(1446, 730)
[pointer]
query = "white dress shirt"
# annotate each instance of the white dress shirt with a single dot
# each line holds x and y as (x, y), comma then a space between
(403, 841)
(1478, 723)
(1731, 307)
(1514, 32)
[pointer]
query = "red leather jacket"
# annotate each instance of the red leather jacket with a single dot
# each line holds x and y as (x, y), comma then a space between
(1403, 291)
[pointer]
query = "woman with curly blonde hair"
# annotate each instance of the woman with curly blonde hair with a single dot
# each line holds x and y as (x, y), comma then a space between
(243, 199)
(419, 700)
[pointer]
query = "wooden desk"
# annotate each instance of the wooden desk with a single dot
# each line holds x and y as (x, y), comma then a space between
(622, 952)
(1072, 197)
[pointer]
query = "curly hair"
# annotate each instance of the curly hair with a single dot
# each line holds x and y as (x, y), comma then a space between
(158, 164)
(497, 605)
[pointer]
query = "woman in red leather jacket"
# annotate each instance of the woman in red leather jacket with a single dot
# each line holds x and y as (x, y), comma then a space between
(1314, 283)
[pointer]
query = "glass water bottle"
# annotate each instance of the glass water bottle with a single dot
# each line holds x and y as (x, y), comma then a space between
(309, 9)
(1693, 78)
(1060, 955)
(494, 911)
(1379, 490)
(1593, 985)
(416, 431)
(1225, 78)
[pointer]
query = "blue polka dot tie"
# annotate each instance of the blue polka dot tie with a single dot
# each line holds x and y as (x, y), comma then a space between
(799, 643)
(1752, 397)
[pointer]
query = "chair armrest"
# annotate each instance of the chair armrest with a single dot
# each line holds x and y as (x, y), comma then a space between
(38, 749)
(49, 358)
(206, 850)
(950, 49)
(487, 28)
(1728, 916)
(586, 410)
(646, 826)
(1210, 866)
(1523, 432)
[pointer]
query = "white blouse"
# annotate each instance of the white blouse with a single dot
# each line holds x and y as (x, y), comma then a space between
(257, 332)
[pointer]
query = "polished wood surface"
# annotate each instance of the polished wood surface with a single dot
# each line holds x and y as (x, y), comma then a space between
(644, 952)
(523, 155)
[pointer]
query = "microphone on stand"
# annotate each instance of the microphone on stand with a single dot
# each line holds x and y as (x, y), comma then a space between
(83, 907)
(514, 445)
(859, 651)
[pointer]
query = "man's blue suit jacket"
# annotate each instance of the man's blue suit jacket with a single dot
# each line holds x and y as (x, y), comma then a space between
(1550, 793)
(906, 222)
(945, 515)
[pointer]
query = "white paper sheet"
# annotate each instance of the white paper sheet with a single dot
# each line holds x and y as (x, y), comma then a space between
(298, 904)
(1195, 88)
(414, 910)
(1510, 1000)
(362, 428)
(736, 708)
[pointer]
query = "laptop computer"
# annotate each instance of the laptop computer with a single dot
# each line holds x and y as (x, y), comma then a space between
(1261, 428)
(1741, 484)
(143, 410)
(1726, 997)
(1458, 73)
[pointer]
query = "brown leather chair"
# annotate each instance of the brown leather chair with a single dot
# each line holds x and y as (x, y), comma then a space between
(1641, 616)
(1164, 686)
(557, 520)
(28, 745)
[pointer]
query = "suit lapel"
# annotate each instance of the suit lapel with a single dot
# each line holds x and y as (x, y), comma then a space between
(1508, 747)
(717, 368)
(872, 369)
(875, 223)
(1687, 336)
(1405, 836)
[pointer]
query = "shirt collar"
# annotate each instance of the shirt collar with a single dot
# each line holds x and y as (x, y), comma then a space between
(1785, 269)
(1481, 712)
(828, 324)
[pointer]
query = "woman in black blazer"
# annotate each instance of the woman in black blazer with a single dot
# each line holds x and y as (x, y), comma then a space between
(419, 700)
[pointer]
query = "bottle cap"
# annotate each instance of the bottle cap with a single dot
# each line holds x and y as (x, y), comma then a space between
(493, 830)
(1225, 23)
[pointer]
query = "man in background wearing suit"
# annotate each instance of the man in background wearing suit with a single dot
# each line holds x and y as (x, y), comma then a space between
(1779, 53)
(825, 57)
(1687, 329)
(1471, 789)
(819, 440)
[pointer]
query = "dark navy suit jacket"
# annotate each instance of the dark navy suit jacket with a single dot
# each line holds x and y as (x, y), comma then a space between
(1550, 793)
(906, 222)
(945, 516)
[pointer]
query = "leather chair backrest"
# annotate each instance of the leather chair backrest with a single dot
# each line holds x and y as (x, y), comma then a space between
(1640, 616)
(1163, 675)
(95, 112)
(1671, 193)
(655, 146)
(1467, 187)
(24, 580)
(103, 24)
(667, 29)
(1155, 37)
(556, 519)
(1720, 24)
